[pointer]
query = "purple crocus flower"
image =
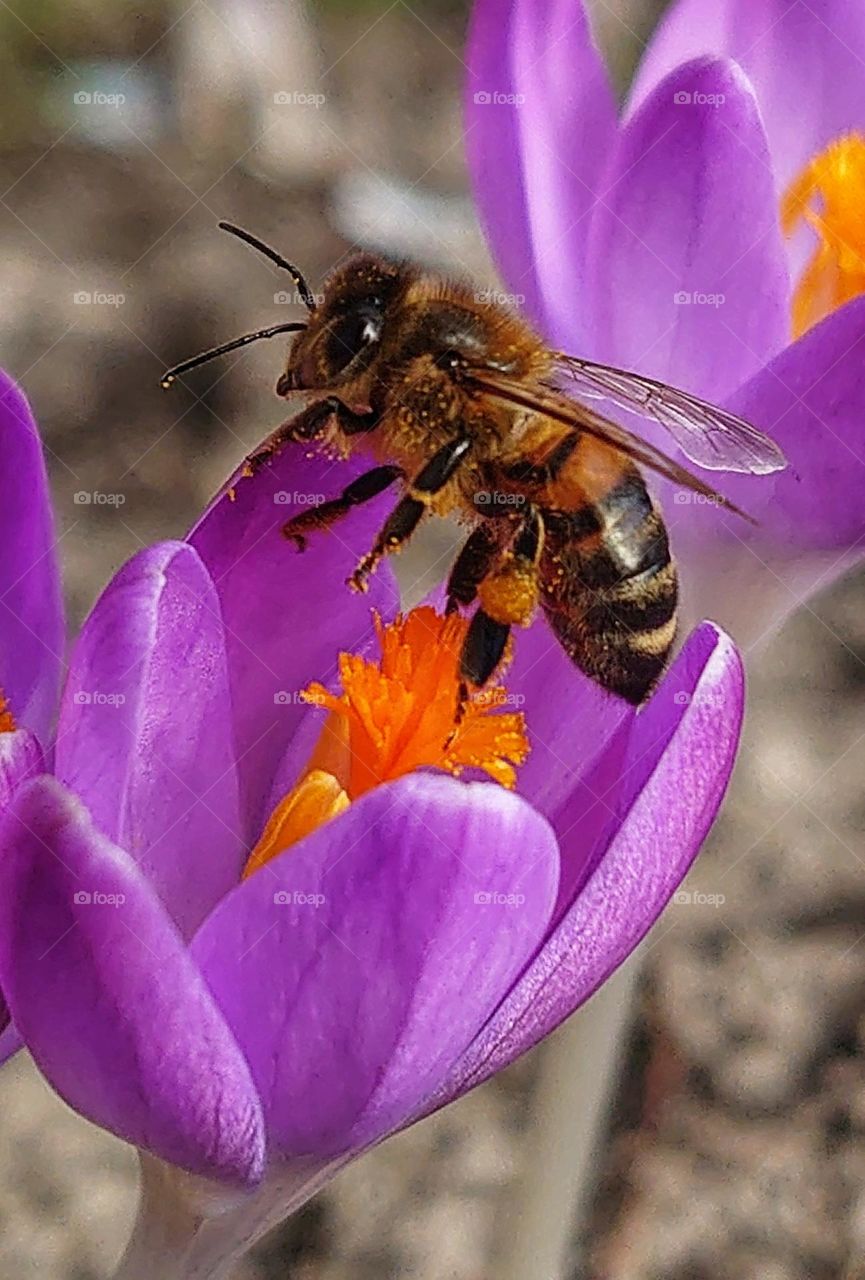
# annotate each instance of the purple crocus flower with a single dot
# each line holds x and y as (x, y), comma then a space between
(258, 1032)
(681, 238)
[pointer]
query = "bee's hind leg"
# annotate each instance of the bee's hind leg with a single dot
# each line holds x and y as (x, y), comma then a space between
(508, 596)
(410, 510)
(324, 514)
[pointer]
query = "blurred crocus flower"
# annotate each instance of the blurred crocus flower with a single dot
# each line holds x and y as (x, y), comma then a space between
(264, 912)
(709, 236)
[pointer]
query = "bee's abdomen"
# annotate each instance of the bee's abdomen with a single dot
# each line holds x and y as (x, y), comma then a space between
(610, 588)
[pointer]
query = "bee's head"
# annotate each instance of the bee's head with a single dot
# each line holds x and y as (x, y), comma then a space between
(344, 332)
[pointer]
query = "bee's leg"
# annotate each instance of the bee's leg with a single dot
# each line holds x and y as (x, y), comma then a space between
(477, 556)
(307, 425)
(409, 511)
(364, 488)
(509, 595)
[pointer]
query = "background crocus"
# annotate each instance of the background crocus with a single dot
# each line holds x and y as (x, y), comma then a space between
(262, 1031)
(653, 240)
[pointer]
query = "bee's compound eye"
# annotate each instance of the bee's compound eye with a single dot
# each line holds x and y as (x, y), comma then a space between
(352, 333)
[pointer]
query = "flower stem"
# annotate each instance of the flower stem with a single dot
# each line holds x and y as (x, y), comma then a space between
(188, 1229)
(545, 1209)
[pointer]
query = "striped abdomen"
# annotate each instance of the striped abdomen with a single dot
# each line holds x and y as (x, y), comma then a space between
(609, 587)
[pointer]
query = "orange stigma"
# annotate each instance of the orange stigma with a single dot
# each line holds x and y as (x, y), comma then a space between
(392, 717)
(834, 182)
(7, 720)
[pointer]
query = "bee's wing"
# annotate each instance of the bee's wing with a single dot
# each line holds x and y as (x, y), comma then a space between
(559, 407)
(709, 436)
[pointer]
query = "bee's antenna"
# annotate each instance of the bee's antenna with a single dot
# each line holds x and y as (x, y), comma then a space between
(296, 274)
(170, 374)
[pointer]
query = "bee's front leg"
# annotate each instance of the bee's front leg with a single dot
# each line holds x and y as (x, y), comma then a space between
(310, 424)
(410, 510)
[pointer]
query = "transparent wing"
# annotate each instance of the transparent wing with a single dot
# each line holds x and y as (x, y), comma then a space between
(709, 436)
(570, 413)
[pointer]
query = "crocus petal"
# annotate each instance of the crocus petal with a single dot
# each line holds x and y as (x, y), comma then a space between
(681, 755)
(20, 759)
(569, 718)
(810, 519)
(286, 615)
(107, 999)
(804, 60)
(356, 967)
(31, 610)
(704, 274)
(540, 122)
(811, 400)
(145, 734)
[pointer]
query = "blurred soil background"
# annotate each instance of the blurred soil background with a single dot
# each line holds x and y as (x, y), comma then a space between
(737, 1144)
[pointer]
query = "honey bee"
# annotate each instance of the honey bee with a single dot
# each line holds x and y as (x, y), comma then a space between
(466, 412)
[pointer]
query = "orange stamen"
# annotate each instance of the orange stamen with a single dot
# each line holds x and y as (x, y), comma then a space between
(836, 272)
(392, 717)
(7, 720)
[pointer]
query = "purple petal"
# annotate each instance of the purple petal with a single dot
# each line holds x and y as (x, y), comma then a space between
(569, 718)
(32, 629)
(107, 999)
(540, 122)
(689, 284)
(804, 60)
(286, 615)
(358, 966)
(145, 735)
(681, 755)
(20, 759)
(810, 518)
